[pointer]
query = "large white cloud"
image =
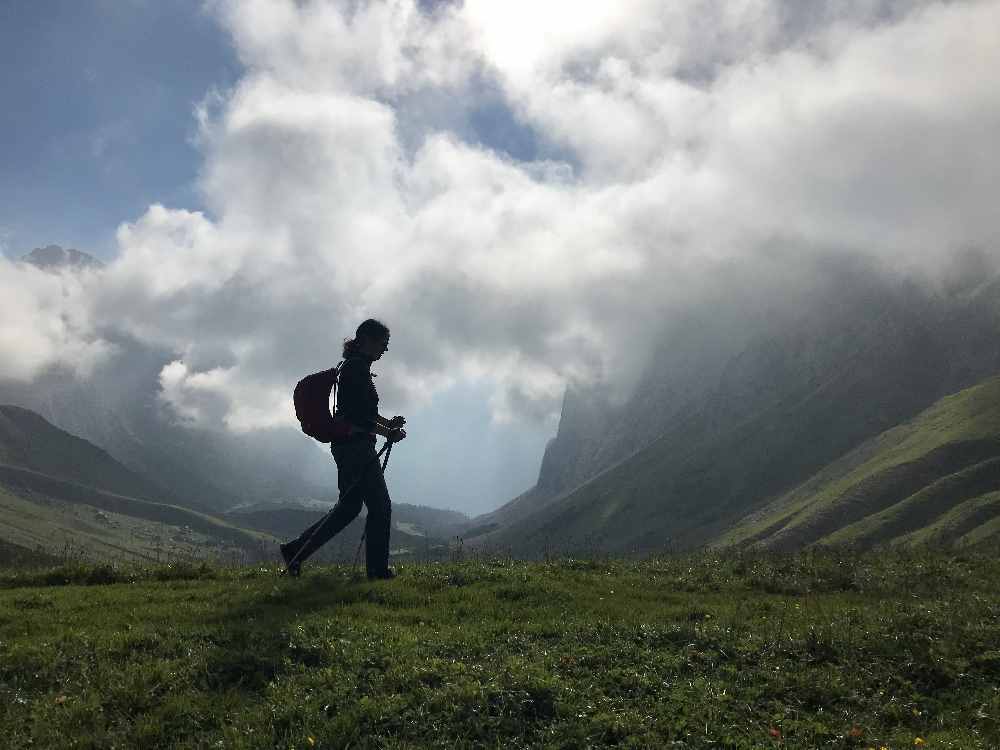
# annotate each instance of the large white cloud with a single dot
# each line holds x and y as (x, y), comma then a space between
(342, 180)
(45, 322)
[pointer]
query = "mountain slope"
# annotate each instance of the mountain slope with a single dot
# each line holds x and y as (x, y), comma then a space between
(30, 442)
(58, 491)
(935, 479)
(119, 409)
(51, 517)
(743, 402)
(692, 482)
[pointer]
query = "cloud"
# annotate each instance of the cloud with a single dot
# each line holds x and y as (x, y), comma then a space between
(45, 322)
(343, 179)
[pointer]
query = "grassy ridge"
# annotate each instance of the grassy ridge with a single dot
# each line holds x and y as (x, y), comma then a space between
(706, 651)
(893, 486)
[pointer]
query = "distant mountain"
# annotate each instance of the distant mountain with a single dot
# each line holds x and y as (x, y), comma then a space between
(30, 442)
(59, 491)
(53, 257)
(118, 408)
(47, 511)
(745, 399)
(934, 479)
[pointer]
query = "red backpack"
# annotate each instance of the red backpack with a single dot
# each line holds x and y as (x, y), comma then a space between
(312, 406)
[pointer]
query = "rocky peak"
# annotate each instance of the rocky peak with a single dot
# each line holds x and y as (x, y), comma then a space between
(54, 257)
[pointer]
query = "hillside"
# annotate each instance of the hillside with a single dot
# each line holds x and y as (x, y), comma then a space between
(119, 410)
(49, 516)
(682, 491)
(934, 479)
(744, 401)
(61, 495)
(30, 442)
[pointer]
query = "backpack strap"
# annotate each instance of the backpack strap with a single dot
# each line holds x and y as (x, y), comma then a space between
(335, 381)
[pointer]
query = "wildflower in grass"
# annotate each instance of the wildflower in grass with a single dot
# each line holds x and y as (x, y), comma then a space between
(855, 731)
(774, 732)
(918, 741)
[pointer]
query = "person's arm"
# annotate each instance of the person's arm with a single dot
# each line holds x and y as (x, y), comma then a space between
(354, 386)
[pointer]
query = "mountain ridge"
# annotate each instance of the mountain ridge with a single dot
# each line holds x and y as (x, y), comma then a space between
(800, 393)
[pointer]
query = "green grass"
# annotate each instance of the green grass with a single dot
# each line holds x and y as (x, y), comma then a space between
(701, 651)
(966, 421)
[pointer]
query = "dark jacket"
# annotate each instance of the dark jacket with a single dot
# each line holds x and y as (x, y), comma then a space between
(357, 399)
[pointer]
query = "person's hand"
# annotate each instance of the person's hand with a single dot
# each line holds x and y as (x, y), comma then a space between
(397, 434)
(397, 422)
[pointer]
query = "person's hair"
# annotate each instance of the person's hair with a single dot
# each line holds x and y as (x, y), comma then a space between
(369, 329)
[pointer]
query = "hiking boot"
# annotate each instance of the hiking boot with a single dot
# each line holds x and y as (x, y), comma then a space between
(386, 575)
(288, 550)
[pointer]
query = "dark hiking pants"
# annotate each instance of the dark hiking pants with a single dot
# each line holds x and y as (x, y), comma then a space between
(356, 463)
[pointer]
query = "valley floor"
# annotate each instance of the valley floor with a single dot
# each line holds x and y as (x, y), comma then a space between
(886, 650)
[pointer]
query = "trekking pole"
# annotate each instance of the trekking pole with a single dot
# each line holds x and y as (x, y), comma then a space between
(387, 448)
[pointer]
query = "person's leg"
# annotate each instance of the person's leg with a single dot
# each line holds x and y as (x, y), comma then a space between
(345, 511)
(378, 524)
(351, 464)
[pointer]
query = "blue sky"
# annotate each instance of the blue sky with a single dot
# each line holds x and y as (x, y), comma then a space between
(98, 114)
(98, 123)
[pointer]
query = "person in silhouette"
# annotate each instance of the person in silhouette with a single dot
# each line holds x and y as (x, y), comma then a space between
(359, 474)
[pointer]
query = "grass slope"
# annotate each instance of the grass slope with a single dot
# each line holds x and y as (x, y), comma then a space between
(56, 517)
(696, 652)
(902, 485)
(15, 555)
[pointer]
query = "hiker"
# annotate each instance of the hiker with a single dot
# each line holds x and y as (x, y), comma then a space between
(359, 474)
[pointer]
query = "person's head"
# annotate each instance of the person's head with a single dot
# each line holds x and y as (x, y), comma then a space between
(370, 340)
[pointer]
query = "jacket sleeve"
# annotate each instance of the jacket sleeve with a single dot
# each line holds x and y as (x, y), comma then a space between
(354, 398)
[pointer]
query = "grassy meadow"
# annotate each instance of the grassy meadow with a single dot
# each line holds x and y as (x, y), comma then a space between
(815, 650)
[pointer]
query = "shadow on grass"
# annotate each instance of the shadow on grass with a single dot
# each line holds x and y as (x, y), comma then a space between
(273, 632)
